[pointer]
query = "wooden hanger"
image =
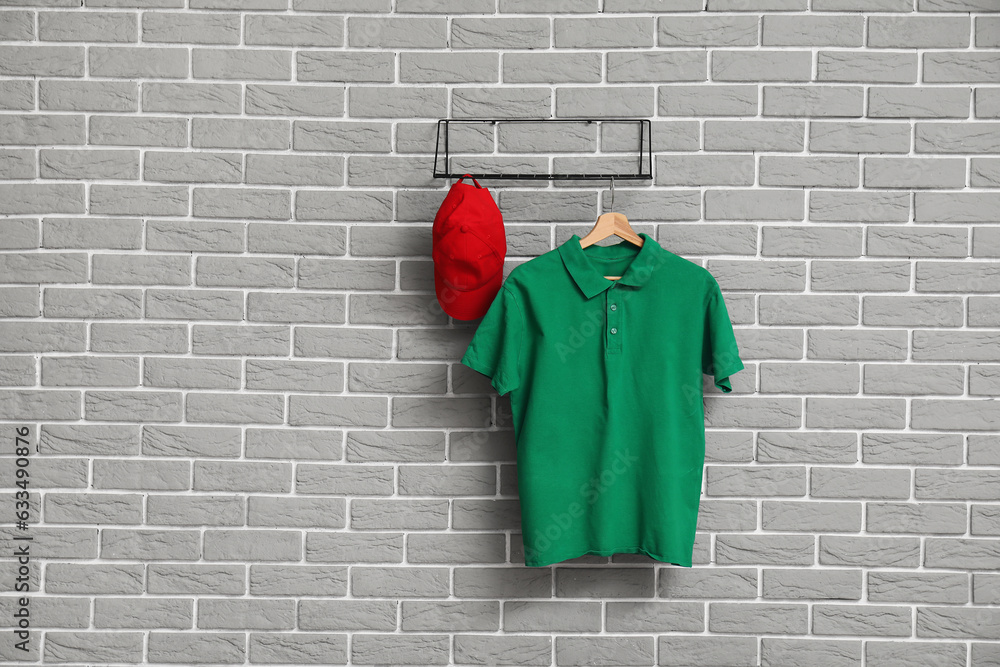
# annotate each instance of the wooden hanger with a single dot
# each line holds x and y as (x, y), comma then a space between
(608, 224)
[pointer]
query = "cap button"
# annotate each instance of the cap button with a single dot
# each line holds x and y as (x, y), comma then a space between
(464, 228)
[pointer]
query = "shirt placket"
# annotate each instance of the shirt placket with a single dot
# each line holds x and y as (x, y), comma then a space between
(613, 306)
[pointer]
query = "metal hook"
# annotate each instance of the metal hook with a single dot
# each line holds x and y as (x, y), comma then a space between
(612, 193)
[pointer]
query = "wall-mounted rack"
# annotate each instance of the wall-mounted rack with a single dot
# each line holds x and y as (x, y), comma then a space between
(645, 150)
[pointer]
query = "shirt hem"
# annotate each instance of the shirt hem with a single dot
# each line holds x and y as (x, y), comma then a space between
(721, 379)
(682, 562)
(733, 369)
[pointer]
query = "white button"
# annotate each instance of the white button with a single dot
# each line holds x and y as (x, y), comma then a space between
(614, 307)
(613, 330)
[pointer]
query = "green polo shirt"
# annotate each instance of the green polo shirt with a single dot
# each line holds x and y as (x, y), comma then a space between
(606, 388)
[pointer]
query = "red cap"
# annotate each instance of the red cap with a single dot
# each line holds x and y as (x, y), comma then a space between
(469, 246)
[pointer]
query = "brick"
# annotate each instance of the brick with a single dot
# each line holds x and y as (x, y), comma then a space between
(286, 100)
(246, 614)
(237, 64)
(838, 206)
(110, 96)
(911, 311)
(276, 30)
(970, 414)
(911, 102)
(756, 480)
(869, 483)
(844, 31)
(394, 648)
(397, 32)
(681, 651)
(914, 379)
(855, 412)
(479, 101)
(798, 584)
(395, 102)
(958, 346)
(370, 547)
(90, 579)
(344, 66)
(459, 67)
(918, 587)
(814, 100)
(627, 31)
(869, 551)
(493, 582)
(197, 646)
(186, 97)
(277, 237)
(911, 448)
(715, 582)
(146, 544)
(707, 30)
(91, 645)
(287, 647)
(915, 654)
(193, 511)
(448, 615)
(585, 651)
(822, 378)
(841, 652)
(551, 616)
(757, 617)
(104, 508)
(818, 447)
(652, 616)
(329, 580)
(958, 623)
(946, 484)
(195, 27)
(192, 579)
(856, 276)
(573, 67)
(512, 649)
(256, 545)
(939, 518)
(159, 62)
(507, 33)
(216, 441)
(143, 613)
(982, 311)
(235, 408)
(811, 515)
(37, 60)
(874, 67)
(765, 550)
(710, 100)
(345, 479)
(467, 549)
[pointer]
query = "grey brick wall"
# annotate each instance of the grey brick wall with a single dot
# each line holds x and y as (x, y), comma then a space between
(252, 442)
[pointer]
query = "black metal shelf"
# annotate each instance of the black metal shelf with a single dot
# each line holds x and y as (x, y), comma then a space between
(645, 149)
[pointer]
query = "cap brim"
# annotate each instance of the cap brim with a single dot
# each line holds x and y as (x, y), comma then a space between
(466, 304)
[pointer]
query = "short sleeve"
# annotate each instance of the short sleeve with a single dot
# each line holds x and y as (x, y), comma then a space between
(495, 349)
(720, 355)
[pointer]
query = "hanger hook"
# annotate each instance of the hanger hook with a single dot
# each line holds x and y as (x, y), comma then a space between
(612, 193)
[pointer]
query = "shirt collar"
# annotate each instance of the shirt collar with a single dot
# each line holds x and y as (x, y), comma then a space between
(591, 281)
